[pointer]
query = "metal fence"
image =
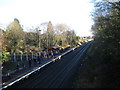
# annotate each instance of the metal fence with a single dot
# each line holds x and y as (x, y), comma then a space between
(19, 61)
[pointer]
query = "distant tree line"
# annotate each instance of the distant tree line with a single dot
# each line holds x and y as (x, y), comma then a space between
(15, 39)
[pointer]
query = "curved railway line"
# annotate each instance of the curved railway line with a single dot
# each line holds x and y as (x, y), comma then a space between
(57, 74)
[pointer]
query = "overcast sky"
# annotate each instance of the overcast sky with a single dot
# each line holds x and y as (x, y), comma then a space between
(74, 13)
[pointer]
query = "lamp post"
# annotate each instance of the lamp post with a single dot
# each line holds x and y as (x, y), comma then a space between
(39, 32)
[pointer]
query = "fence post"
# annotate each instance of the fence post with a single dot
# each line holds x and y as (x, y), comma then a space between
(21, 56)
(14, 55)
(39, 54)
(26, 56)
(32, 55)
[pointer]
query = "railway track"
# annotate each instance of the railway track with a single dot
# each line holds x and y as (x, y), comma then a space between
(56, 74)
